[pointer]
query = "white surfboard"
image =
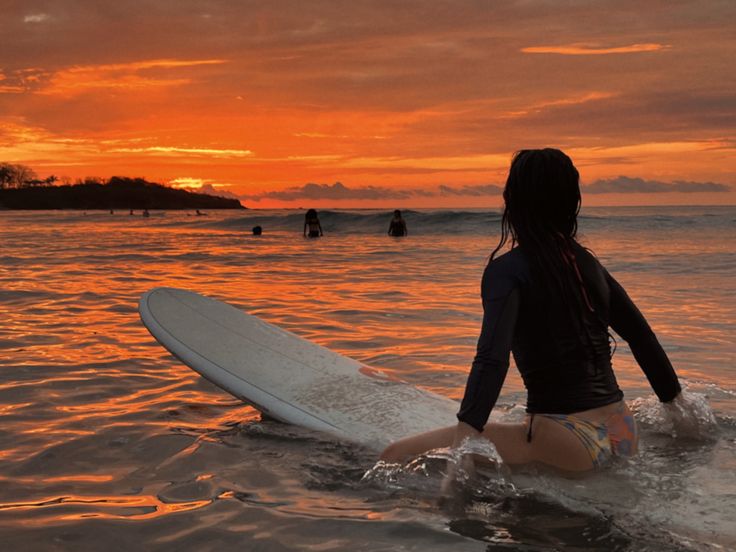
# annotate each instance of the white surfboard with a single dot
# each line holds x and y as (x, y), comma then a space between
(287, 377)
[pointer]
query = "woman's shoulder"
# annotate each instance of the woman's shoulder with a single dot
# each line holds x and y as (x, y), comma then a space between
(587, 258)
(510, 262)
(505, 272)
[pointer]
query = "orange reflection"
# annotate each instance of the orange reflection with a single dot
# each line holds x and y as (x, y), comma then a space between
(129, 507)
(87, 378)
(81, 478)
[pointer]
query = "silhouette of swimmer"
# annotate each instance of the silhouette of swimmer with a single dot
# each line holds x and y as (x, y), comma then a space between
(311, 222)
(397, 227)
(131, 211)
(257, 230)
(146, 213)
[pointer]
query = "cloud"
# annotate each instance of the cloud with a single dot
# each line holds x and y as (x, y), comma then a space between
(673, 114)
(202, 186)
(83, 78)
(210, 189)
(578, 49)
(574, 100)
(36, 18)
(629, 185)
(438, 163)
(23, 80)
(11, 89)
(22, 143)
(474, 191)
(175, 151)
(331, 191)
(338, 191)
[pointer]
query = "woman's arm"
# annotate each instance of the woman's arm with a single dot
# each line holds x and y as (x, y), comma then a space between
(501, 299)
(630, 324)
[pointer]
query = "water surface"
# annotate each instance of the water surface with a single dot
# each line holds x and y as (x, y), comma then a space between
(108, 441)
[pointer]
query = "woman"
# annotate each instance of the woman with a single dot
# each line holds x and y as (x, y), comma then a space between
(311, 223)
(551, 302)
(397, 227)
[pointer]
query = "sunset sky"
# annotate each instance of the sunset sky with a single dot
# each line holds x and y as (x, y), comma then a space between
(374, 103)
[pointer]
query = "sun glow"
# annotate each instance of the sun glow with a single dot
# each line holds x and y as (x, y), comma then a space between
(267, 104)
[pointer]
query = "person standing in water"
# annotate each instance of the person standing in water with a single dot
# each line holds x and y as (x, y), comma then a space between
(312, 225)
(398, 225)
(550, 302)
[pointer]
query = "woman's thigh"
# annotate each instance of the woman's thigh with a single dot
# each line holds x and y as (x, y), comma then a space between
(509, 440)
(418, 444)
(551, 444)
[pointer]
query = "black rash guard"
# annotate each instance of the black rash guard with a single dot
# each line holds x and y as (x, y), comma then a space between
(565, 362)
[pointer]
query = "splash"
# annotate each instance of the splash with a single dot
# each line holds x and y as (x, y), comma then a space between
(473, 467)
(689, 416)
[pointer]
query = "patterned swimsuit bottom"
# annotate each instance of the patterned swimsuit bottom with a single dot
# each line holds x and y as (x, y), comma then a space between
(616, 436)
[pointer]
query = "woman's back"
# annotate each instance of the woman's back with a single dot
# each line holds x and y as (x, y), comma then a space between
(563, 355)
(560, 344)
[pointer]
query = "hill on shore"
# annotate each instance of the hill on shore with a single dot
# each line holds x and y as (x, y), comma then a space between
(116, 193)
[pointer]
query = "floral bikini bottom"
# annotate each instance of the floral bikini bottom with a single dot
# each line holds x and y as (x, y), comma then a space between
(617, 436)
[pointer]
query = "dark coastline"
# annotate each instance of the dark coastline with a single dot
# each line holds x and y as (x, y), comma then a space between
(117, 193)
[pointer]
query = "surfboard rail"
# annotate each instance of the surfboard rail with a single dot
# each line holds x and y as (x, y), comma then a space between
(285, 376)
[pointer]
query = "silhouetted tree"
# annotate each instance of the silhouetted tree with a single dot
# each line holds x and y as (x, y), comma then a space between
(6, 175)
(17, 176)
(20, 188)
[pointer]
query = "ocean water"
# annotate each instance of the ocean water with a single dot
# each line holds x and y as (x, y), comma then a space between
(109, 443)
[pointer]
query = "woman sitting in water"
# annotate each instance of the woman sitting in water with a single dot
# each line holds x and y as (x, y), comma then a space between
(551, 302)
(311, 223)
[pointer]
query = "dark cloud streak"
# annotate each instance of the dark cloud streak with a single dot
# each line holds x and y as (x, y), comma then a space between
(629, 185)
(338, 191)
(473, 191)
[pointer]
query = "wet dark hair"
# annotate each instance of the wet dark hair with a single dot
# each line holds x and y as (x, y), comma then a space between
(397, 213)
(542, 202)
(311, 214)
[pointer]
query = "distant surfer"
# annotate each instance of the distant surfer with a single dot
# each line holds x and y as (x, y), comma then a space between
(397, 227)
(551, 302)
(200, 213)
(146, 213)
(312, 227)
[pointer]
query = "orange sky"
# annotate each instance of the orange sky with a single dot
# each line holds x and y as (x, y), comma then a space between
(402, 103)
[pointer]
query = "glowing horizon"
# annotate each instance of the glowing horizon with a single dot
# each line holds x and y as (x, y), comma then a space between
(394, 106)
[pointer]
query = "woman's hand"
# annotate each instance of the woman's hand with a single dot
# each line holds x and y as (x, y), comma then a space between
(690, 416)
(462, 432)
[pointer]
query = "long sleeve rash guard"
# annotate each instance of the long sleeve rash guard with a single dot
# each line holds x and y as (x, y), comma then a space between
(565, 363)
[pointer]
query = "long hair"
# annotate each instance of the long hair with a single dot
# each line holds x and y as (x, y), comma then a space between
(542, 202)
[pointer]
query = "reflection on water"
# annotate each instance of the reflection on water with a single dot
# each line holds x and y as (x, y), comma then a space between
(100, 424)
